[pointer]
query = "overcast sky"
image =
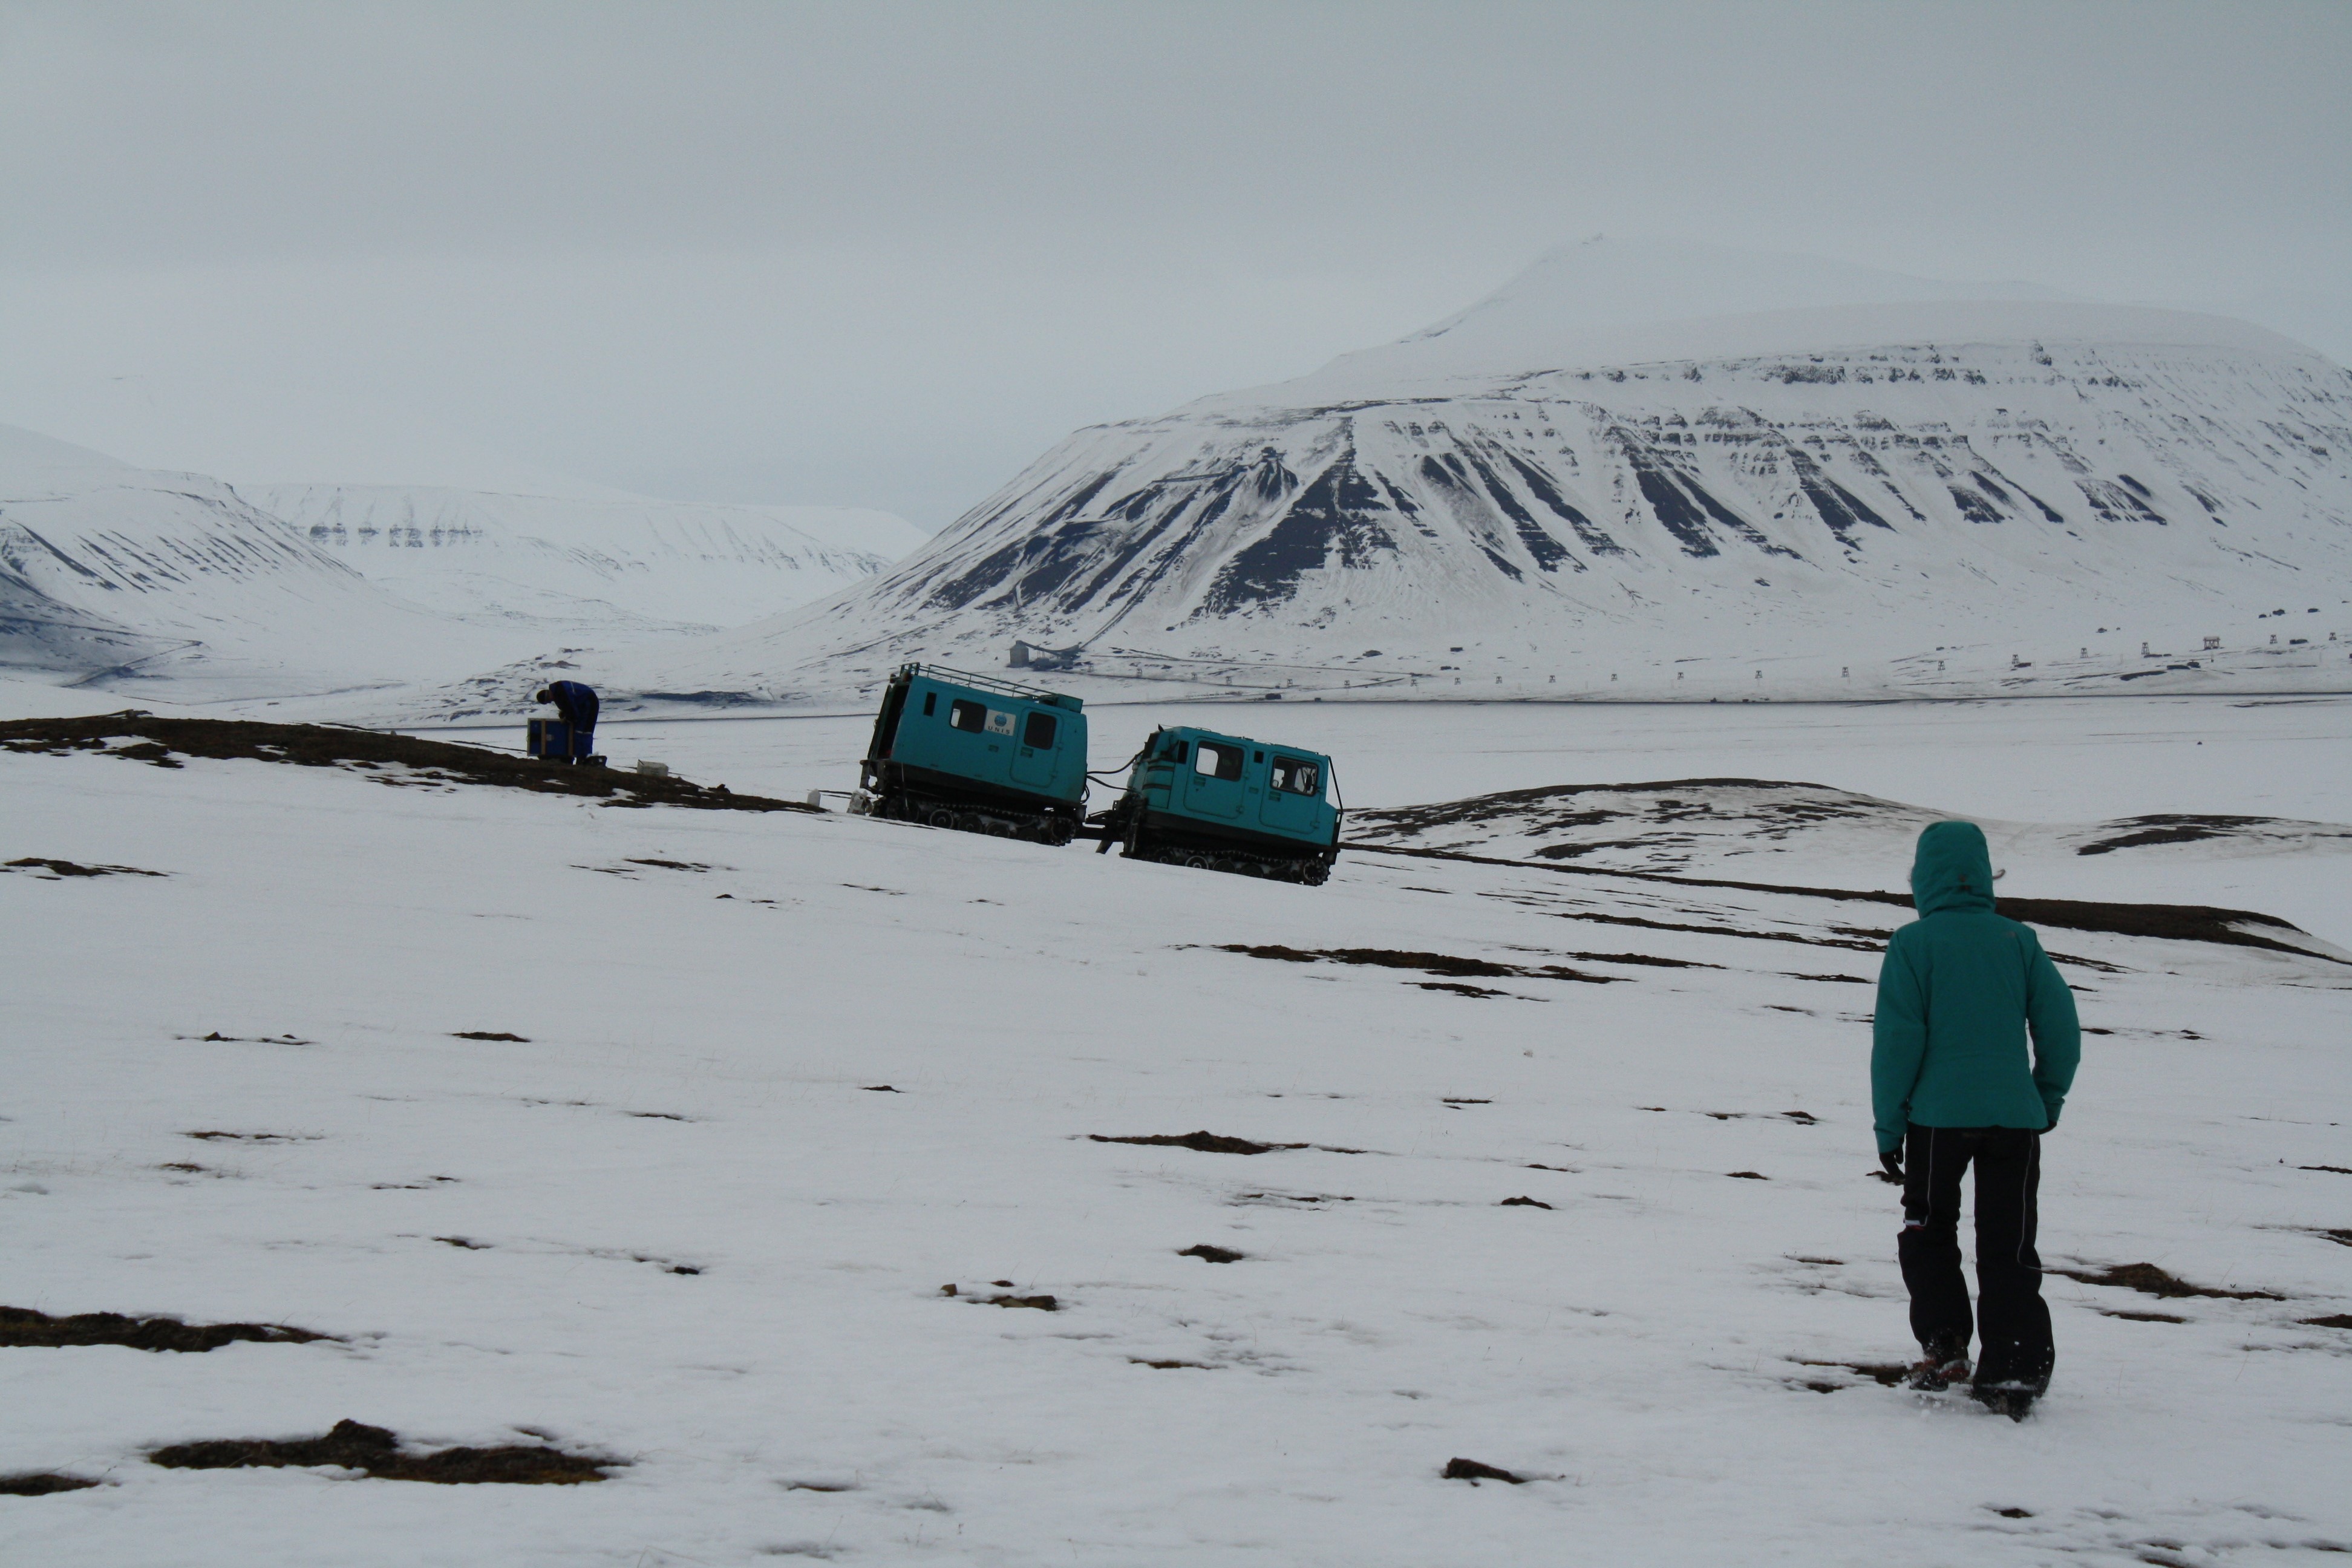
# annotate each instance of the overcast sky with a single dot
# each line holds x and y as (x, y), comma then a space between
(884, 254)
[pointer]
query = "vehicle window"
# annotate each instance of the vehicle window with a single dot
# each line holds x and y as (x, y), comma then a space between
(1038, 732)
(1221, 762)
(931, 703)
(964, 715)
(1298, 776)
(1175, 751)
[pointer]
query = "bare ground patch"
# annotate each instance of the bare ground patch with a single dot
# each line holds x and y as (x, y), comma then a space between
(215, 1038)
(2169, 828)
(1473, 1471)
(1042, 1303)
(1885, 1374)
(2151, 1281)
(163, 741)
(1444, 963)
(42, 1483)
(377, 1452)
(22, 1326)
(2175, 922)
(1202, 1142)
(58, 870)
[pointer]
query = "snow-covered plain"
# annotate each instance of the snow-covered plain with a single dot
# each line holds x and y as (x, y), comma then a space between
(494, 1228)
(2032, 765)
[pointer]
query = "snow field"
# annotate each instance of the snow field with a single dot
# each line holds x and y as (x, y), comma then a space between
(693, 1095)
(2043, 761)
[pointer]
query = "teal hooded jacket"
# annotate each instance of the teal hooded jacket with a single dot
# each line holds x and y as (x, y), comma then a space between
(1957, 992)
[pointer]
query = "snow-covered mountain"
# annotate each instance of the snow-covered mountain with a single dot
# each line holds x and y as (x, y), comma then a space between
(573, 563)
(131, 577)
(1892, 489)
(182, 587)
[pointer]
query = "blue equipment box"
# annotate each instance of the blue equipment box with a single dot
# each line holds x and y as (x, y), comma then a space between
(548, 740)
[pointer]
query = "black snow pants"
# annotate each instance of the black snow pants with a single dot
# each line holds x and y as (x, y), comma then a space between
(2015, 1321)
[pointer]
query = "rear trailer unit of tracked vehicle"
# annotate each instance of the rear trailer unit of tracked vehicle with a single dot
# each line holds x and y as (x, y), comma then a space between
(1221, 802)
(974, 752)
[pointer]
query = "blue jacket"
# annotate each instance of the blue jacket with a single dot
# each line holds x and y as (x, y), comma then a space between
(576, 702)
(1959, 988)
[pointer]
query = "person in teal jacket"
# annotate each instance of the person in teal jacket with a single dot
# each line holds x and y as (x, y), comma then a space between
(1952, 1085)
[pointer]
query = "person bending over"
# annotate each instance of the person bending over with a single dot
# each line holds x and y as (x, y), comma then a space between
(1951, 1086)
(576, 703)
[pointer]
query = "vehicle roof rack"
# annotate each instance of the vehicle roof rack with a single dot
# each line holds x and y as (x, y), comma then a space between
(992, 683)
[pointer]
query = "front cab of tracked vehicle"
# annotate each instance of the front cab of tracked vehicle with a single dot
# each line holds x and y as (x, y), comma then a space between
(956, 750)
(1197, 797)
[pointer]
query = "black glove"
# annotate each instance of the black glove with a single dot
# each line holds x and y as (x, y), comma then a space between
(1890, 1165)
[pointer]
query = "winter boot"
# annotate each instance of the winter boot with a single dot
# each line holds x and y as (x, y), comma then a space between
(1939, 1369)
(2011, 1399)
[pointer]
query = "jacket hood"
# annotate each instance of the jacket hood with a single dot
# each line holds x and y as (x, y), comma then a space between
(1953, 870)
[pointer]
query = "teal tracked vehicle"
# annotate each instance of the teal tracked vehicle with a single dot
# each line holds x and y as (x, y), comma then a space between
(974, 752)
(1195, 797)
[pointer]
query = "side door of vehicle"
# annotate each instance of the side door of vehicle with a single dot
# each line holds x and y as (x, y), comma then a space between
(974, 741)
(1212, 779)
(1037, 748)
(1294, 795)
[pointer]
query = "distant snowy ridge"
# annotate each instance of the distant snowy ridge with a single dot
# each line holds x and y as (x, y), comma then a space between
(576, 561)
(181, 586)
(1936, 497)
(132, 575)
